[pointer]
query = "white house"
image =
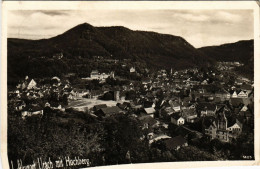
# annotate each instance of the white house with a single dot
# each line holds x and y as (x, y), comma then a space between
(235, 128)
(31, 113)
(132, 70)
(242, 94)
(20, 106)
(99, 76)
(177, 120)
(32, 84)
(47, 104)
(234, 94)
(94, 74)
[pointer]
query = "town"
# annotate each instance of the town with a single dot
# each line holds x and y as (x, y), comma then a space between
(174, 108)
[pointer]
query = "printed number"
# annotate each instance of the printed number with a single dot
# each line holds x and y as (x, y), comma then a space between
(247, 157)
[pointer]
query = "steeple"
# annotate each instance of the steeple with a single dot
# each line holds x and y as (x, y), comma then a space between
(222, 120)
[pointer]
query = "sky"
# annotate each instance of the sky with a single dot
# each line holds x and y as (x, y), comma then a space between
(198, 27)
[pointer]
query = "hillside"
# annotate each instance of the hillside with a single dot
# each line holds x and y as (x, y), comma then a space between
(80, 44)
(241, 51)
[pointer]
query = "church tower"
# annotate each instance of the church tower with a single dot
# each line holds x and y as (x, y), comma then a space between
(222, 120)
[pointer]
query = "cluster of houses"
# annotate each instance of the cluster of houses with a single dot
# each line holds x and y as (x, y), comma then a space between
(179, 98)
(31, 98)
(228, 65)
(184, 101)
(99, 76)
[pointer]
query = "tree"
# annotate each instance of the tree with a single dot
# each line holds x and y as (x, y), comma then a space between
(122, 134)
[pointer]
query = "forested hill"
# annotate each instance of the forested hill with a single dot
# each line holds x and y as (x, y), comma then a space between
(80, 44)
(241, 51)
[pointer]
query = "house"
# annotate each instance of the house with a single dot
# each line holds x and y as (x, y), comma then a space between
(146, 81)
(187, 99)
(189, 115)
(21, 105)
(94, 74)
(176, 106)
(216, 128)
(99, 106)
(108, 111)
(124, 106)
(234, 94)
(80, 92)
(71, 96)
(59, 107)
(47, 104)
(148, 122)
(210, 127)
(223, 135)
(234, 126)
(132, 70)
(96, 93)
(58, 56)
(223, 94)
(242, 94)
(204, 82)
(150, 111)
(244, 108)
(175, 143)
(167, 107)
(41, 95)
(177, 119)
(99, 76)
(17, 92)
(191, 106)
(32, 84)
(32, 111)
(207, 109)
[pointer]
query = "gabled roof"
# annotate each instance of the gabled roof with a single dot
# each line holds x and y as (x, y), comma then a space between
(150, 110)
(166, 104)
(189, 112)
(100, 106)
(110, 110)
(231, 121)
(207, 106)
(174, 142)
(176, 116)
(147, 119)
